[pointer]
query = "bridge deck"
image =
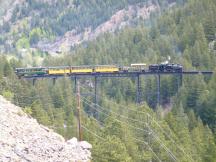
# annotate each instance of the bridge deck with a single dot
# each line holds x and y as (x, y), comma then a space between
(119, 74)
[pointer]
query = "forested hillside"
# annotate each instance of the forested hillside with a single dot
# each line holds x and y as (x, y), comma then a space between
(29, 22)
(183, 128)
(185, 34)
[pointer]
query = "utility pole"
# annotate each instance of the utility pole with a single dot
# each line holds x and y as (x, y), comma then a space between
(78, 112)
(148, 122)
(158, 90)
(34, 81)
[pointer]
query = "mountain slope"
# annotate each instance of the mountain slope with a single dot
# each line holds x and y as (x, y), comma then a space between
(118, 21)
(28, 22)
(119, 129)
(184, 34)
(5, 7)
(23, 139)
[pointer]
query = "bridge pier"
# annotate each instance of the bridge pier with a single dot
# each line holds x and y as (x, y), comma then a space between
(95, 87)
(95, 90)
(75, 84)
(179, 80)
(138, 90)
(34, 81)
(54, 81)
(95, 96)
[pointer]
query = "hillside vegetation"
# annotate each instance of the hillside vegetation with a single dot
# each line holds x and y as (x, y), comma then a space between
(33, 21)
(184, 34)
(118, 129)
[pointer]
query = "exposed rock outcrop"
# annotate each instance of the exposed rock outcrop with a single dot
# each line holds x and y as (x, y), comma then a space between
(119, 20)
(23, 139)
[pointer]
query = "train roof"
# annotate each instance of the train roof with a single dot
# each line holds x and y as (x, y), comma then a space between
(31, 68)
(57, 67)
(139, 64)
(105, 65)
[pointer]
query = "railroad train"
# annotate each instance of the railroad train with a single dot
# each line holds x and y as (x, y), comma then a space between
(165, 67)
(67, 70)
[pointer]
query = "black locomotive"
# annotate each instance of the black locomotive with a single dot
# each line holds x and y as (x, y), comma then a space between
(168, 67)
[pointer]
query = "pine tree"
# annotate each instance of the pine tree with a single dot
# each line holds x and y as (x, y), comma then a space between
(39, 113)
(104, 151)
(7, 69)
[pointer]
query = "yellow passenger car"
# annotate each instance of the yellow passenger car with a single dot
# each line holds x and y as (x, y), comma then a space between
(81, 69)
(59, 70)
(106, 68)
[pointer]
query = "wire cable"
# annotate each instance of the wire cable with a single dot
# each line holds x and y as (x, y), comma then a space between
(173, 141)
(138, 141)
(92, 117)
(134, 120)
(129, 125)
(156, 137)
(148, 147)
(114, 119)
(92, 133)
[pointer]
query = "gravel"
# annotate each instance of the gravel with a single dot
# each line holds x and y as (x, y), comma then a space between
(23, 139)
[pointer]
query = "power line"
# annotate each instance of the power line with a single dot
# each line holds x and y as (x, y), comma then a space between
(92, 117)
(149, 148)
(164, 146)
(161, 130)
(172, 140)
(124, 116)
(132, 138)
(153, 121)
(92, 133)
(114, 119)
(134, 120)
(136, 140)
(121, 121)
(156, 137)
(130, 125)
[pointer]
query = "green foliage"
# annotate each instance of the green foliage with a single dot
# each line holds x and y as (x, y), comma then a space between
(174, 35)
(23, 42)
(104, 151)
(215, 45)
(42, 20)
(35, 35)
(39, 113)
(187, 114)
(7, 69)
(8, 95)
(28, 110)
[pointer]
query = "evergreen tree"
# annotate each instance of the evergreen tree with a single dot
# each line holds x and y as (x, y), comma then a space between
(39, 113)
(104, 151)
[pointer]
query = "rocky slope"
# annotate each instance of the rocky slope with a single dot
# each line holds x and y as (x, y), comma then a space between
(23, 139)
(10, 6)
(57, 26)
(119, 20)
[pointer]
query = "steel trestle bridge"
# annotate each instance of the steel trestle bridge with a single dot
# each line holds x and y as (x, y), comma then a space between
(118, 74)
